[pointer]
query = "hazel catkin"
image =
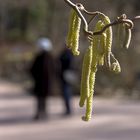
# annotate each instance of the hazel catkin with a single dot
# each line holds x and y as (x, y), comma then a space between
(115, 67)
(86, 68)
(123, 35)
(69, 39)
(127, 38)
(95, 55)
(72, 40)
(108, 32)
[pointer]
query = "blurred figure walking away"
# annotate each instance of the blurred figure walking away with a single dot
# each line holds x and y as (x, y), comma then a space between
(42, 73)
(65, 59)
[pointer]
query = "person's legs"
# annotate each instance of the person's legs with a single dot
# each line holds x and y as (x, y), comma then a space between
(67, 98)
(41, 108)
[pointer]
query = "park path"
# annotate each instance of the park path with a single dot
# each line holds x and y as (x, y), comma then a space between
(113, 119)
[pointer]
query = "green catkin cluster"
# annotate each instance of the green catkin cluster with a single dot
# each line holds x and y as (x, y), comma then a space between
(98, 53)
(115, 66)
(72, 40)
(101, 51)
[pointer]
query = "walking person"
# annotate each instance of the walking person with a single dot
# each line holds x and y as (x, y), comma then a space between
(42, 72)
(65, 59)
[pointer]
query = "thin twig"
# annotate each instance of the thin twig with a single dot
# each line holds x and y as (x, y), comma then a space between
(71, 4)
(129, 22)
(136, 18)
(78, 7)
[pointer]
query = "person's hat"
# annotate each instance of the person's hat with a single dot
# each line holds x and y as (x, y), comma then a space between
(44, 44)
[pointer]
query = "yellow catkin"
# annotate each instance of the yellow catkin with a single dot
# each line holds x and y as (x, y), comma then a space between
(69, 38)
(84, 92)
(94, 63)
(89, 100)
(115, 67)
(72, 40)
(75, 37)
(98, 43)
(95, 55)
(89, 105)
(108, 32)
(101, 42)
(127, 38)
(103, 45)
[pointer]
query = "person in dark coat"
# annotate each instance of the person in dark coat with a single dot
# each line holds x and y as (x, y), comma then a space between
(65, 59)
(42, 73)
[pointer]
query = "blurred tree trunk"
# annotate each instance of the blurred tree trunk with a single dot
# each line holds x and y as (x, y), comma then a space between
(50, 17)
(2, 20)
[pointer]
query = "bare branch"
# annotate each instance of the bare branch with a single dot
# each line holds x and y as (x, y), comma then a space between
(136, 18)
(129, 22)
(78, 7)
(72, 5)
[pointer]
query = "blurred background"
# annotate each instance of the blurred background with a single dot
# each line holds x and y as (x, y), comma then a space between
(117, 96)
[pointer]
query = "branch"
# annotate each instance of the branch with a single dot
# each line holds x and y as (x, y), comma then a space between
(136, 18)
(116, 22)
(78, 7)
(70, 3)
(128, 21)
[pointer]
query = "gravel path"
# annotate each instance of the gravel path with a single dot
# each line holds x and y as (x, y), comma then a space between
(113, 119)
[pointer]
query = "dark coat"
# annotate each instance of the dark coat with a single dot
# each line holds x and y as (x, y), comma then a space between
(42, 73)
(66, 58)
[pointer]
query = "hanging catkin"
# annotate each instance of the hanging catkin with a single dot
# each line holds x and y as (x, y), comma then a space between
(127, 38)
(72, 40)
(69, 39)
(108, 32)
(93, 68)
(99, 51)
(86, 68)
(123, 35)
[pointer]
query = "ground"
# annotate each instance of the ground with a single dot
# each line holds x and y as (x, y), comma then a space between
(113, 119)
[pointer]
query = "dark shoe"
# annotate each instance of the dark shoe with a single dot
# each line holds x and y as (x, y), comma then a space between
(40, 117)
(66, 114)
